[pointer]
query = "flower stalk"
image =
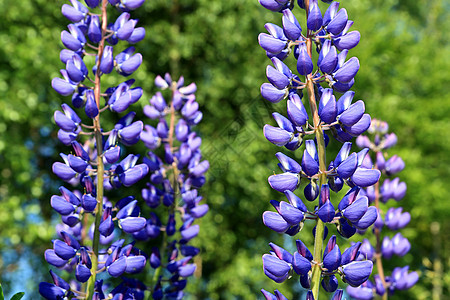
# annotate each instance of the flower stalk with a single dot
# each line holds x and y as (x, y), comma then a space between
(100, 166)
(93, 225)
(383, 284)
(320, 226)
(316, 84)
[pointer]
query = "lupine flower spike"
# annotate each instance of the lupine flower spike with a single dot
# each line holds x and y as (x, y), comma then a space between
(323, 85)
(90, 240)
(173, 186)
(379, 141)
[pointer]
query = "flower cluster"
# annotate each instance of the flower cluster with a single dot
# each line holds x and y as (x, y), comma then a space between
(92, 237)
(175, 177)
(394, 218)
(316, 83)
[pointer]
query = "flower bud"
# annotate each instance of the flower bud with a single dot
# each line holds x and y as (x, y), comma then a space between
(292, 28)
(314, 21)
(355, 273)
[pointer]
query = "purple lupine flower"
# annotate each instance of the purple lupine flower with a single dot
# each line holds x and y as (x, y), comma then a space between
(95, 164)
(180, 171)
(394, 218)
(318, 81)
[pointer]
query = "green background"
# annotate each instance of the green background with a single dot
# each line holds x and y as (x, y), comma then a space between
(404, 79)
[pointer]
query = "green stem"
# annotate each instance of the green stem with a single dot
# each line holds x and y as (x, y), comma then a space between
(174, 180)
(320, 227)
(98, 216)
(100, 166)
(377, 232)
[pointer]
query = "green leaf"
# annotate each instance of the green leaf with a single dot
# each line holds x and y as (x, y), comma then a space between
(1, 293)
(18, 296)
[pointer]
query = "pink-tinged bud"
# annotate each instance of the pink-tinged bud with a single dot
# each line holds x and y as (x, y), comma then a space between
(350, 254)
(61, 205)
(326, 212)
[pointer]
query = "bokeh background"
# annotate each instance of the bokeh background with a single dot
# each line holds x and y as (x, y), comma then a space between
(404, 79)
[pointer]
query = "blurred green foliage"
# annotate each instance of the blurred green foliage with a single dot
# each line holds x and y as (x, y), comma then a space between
(404, 80)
